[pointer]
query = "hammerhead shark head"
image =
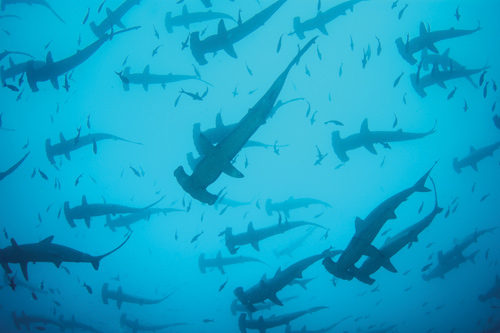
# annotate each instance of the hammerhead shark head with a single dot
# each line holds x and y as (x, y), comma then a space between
(443, 62)
(43, 3)
(187, 18)
(262, 324)
(394, 244)
(254, 236)
(13, 168)
(113, 18)
(367, 230)
(474, 157)
(224, 39)
(38, 71)
(266, 289)
(86, 211)
(366, 138)
(426, 39)
(236, 306)
(65, 147)
(120, 297)
(146, 78)
(13, 71)
(454, 257)
(124, 221)
(494, 291)
(439, 77)
(72, 324)
(322, 18)
(291, 203)
(135, 326)
(46, 251)
(219, 262)
(28, 320)
(5, 53)
(217, 159)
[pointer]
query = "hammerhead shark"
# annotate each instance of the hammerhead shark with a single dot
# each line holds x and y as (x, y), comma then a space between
(10, 170)
(86, 211)
(124, 221)
(291, 203)
(113, 18)
(262, 324)
(443, 62)
(454, 257)
(219, 262)
(43, 3)
(224, 39)
(494, 291)
(254, 236)
(120, 297)
(236, 306)
(28, 320)
(266, 289)
(13, 71)
(46, 251)
(367, 230)
(65, 147)
(146, 78)
(5, 53)
(72, 325)
(322, 18)
(366, 138)
(135, 326)
(394, 244)
(474, 157)
(217, 159)
(426, 39)
(187, 18)
(38, 71)
(439, 77)
(294, 245)
(304, 329)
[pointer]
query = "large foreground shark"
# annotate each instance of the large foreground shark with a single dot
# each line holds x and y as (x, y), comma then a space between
(217, 159)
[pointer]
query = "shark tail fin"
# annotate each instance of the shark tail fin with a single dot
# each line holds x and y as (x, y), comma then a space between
(297, 27)
(420, 184)
(437, 209)
(456, 166)
(95, 260)
(201, 263)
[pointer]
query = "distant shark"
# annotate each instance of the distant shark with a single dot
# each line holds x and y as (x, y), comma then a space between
(113, 18)
(16, 165)
(43, 3)
(120, 297)
(254, 236)
(86, 211)
(219, 262)
(135, 326)
(65, 147)
(224, 39)
(474, 157)
(368, 229)
(187, 18)
(39, 71)
(442, 61)
(262, 324)
(46, 251)
(266, 289)
(494, 291)
(13, 71)
(366, 138)
(29, 320)
(322, 18)
(290, 204)
(394, 244)
(217, 159)
(439, 77)
(426, 39)
(124, 221)
(236, 306)
(146, 78)
(72, 325)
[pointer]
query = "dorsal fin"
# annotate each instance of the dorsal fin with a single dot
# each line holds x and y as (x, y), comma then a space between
(61, 137)
(364, 126)
(47, 240)
(222, 28)
(218, 121)
(146, 70)
(49, 59)
(13, 242)
(84, 200)
(358, 223)
(423, 30)
(250, 227)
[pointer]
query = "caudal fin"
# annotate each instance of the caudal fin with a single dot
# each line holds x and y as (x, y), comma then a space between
(95, 260)
(420, 185)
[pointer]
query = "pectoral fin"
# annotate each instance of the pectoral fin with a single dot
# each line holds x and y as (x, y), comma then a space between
(230, 170)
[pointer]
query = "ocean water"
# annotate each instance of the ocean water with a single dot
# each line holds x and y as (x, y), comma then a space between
(161, 257)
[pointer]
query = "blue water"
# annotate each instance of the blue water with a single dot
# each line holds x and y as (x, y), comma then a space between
(160, 258)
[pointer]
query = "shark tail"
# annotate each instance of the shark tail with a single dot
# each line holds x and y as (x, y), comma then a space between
(437, 209)
(67, 214)
(201, 263)
(338, 148)
(456, 166)
(113, 34)
(420, 184)
(95, 260)
(168, 22)
(297, 27)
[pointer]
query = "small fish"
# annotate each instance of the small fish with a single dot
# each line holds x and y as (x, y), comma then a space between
(473, 187)
(12, 284)
(484, 197)
(176, 236)
(188, 208)
(396, 81)
(386, 232)
(486, 254)
(26, 144)
(89, 289)
(494, 106)
(77, 180)
(223, 210)
(66, 269)
(313, 118)
(33, 174)
(11, 87)
(157, 35)
(21, 80)
(195, 238)
(33, 295)
(336, 122)
(401, 12)
(41, 285)
(78, 132)
(339, 166)
(19, 96)
(59, 213)
(6, 235)
(249, 70)
(420, 208)
(379, 46)
(406, 273)
(481, 78)
(352, 43)
(454, 209)
(246, 162)
(404, 99)
(44, 176)
(395, 123)
(222, 286)
(88, 121)
(134, 170)
(394, 4)
(208, 321)
(457, 14)
(466, 106)
(452, 93)
(485, 90)
(278, 48)
(308, 73)
(100, 6)
(426, 267)
(429, 245)
(341, 69)
(447, 213)
(320, 56)
(308, 111)
(155, 50)
(39, 218)
(86, 16)
(40, 328)
(47, 45)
